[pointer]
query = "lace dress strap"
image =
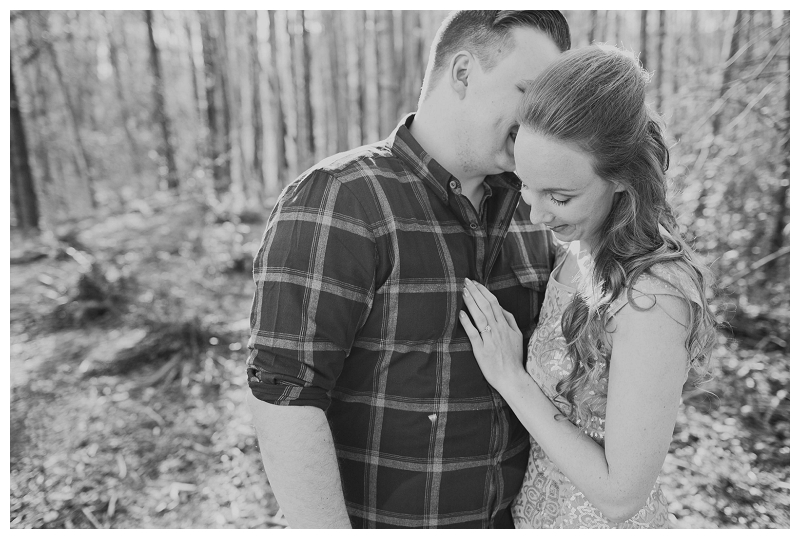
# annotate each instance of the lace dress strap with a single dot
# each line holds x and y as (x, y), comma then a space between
(660, 279)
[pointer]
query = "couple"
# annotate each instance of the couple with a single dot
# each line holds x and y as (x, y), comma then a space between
(424, 354)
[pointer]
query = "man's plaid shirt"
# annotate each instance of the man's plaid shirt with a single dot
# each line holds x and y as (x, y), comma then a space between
(358, 288)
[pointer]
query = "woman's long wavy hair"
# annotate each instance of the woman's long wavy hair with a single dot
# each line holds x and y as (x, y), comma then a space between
(593, 98)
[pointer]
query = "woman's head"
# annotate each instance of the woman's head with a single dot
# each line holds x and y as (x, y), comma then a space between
(591, 102)
(584, 124)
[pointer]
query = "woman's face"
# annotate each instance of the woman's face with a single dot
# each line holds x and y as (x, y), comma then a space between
(561, 187)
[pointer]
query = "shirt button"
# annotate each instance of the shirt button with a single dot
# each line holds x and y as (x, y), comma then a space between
(453, 184)
(473, 225)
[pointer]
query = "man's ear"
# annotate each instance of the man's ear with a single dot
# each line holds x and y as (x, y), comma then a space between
(460, 68)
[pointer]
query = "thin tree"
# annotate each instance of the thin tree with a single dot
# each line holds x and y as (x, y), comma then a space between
(387, 76)
(193, 72)
(337, 54)
(716, 119)
(592, 25)
(643, 39)
(225, 99)
(281, 162)
(782, 194)
(257, 164)
(23, 192)
(160, 106)
(302, 83)
(79, 153)
(125, 116)
(662, 37)
(215, 144)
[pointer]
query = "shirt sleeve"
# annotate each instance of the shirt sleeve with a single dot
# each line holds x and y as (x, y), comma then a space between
(314, 276)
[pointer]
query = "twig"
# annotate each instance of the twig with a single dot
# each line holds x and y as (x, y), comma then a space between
(112, 504)
(92, 519)
(123, 468)
(162, 372)
(767, 259)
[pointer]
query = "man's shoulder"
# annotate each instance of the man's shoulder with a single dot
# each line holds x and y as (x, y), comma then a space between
(366, 161)
(349, 176)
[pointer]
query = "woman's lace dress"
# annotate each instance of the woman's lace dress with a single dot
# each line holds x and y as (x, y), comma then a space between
(548, 499)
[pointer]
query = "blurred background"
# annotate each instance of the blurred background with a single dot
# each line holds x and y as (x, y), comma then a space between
(147, 150)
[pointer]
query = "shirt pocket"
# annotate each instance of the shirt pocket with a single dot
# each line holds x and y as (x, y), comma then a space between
(533, 283)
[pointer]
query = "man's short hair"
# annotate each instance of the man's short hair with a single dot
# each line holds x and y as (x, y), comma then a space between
(485, 34)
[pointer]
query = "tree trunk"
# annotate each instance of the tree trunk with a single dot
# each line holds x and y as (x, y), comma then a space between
(80, 156)
(281, 162)
(414, 71)
(257, 164)
(160, 105)
(659, 82)
(23, 192)
(225, 101)
(338, 62)
(643, 39)
(387, 76)
(215, 144)
(727, 76)
(301, 77)
(361, 63)
(125, 115)
(371, 101)
(782, 194)
(592, 25)
(198, 105)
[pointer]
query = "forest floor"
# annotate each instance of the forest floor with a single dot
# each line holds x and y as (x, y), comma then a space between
(128, 343)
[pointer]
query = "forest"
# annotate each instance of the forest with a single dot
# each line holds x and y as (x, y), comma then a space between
(147, 150)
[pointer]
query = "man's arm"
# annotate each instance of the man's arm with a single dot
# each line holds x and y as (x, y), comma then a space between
(297, 448)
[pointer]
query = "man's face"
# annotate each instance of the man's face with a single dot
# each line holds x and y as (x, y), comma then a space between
(486, 142)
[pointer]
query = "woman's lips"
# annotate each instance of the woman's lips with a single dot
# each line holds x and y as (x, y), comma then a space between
(558, 228)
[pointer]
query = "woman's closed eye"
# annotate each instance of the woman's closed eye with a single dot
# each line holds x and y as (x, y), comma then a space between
(559, 201)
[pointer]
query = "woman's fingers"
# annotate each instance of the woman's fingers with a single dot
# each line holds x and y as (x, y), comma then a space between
(480, 300)
(511, 321)
(473, 334)
(479, 314)
(491, 301)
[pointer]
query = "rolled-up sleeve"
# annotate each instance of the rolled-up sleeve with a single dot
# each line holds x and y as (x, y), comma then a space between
(314, 275)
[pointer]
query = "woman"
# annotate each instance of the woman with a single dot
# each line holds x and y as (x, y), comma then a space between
(625, 315)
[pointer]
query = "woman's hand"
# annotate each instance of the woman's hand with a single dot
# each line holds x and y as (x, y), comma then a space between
(497, 341)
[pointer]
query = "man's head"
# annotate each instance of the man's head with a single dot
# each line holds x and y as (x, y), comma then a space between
(479, 66)
(487, 35)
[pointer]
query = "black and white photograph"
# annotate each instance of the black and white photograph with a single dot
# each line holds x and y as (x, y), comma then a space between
(458, 269)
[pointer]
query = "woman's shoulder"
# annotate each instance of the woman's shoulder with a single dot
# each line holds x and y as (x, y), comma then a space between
(663, 278)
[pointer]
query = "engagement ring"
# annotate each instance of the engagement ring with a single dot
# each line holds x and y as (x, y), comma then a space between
(487, 328)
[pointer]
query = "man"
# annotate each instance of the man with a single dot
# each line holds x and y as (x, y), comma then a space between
(370, 408)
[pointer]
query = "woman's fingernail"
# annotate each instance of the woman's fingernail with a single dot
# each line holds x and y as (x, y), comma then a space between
(466, 291)
(466, 280)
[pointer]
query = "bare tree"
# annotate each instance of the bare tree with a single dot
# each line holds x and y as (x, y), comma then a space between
(126, 118)
(643, 38)
(662, 37)
(387, 76)
(23, 192)
(257, 164)
(160, 106)
(79, 153)
(278, 116)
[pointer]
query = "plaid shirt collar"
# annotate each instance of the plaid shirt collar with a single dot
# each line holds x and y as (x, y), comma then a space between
(435, 176)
